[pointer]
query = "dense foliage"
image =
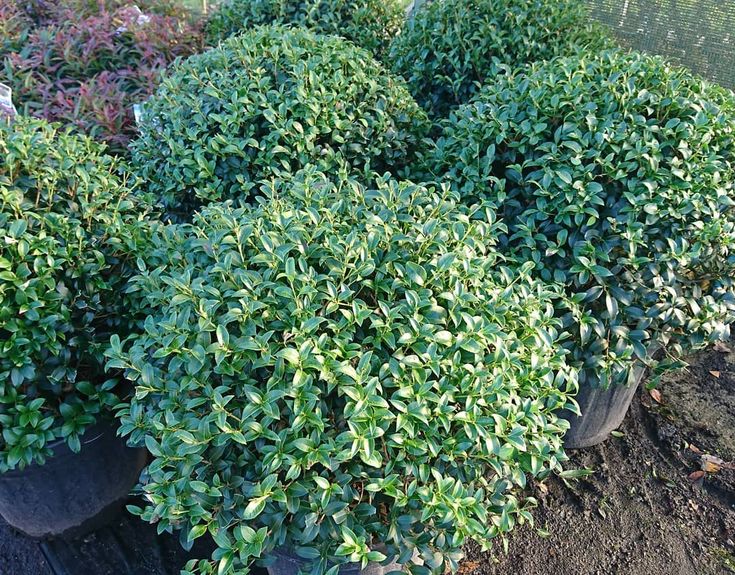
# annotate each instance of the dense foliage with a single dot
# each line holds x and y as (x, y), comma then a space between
(14, 27)
(44, 12)
(614, 174)
(354, 367)
(451, 47)
(86, 67)
(67, 224)
(337, 367)
(270, 102)
(368, 23)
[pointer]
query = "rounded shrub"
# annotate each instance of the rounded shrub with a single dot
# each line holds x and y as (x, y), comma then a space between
(370, 24)
(615, 175)
(68, 227)
(451, 47)
(352, 373)
(270, 102)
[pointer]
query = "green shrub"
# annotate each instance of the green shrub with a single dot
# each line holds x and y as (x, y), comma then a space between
(338, 367)
(451, 47)
(67, 224)
(270, 102)
(615, 175)
(368, 23)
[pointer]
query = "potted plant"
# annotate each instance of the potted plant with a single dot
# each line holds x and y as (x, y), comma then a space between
(265, 104)
(448, 49)
(67, 223)
(341, 377)
(614, 175)
(370, 24)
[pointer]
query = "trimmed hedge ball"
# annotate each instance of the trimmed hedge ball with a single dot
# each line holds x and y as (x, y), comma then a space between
(615, 174)
(371, 24)
(70, 227)
(266, 104)
(360, 355)
(451, 47)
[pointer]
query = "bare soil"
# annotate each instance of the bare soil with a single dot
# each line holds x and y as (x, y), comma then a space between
(20, 555)
(126, 546)
(649, 508)
(661, 501)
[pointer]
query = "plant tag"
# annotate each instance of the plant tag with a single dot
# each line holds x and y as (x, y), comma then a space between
(7, 109)
(137, 112)
(133, 16)
(412, 7)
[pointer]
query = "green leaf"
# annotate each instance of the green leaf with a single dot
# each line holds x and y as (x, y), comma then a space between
(196, 531)
(415, 273)
(254, 508)
(443, 337)
(291, 355)
(225, 563)
(321, 482)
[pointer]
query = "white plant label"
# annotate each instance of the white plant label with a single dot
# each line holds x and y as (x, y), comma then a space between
(7, 108)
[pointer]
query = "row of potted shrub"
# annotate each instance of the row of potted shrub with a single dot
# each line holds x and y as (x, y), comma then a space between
(347, 335)
(88, 63)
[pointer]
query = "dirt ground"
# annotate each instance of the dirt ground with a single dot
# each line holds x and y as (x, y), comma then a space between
(650, 508)
(20, 556)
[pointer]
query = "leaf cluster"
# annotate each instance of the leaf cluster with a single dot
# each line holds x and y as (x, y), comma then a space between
(67, 232)
(15, 26)
(452, 47)
(44, 12)
(614, 175)
(86, 63)
(370, 24)
(338, 367)
(268, 103)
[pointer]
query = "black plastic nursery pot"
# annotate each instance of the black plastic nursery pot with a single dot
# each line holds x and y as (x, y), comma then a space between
(603, 410)
(72, 493)
(286, 562)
